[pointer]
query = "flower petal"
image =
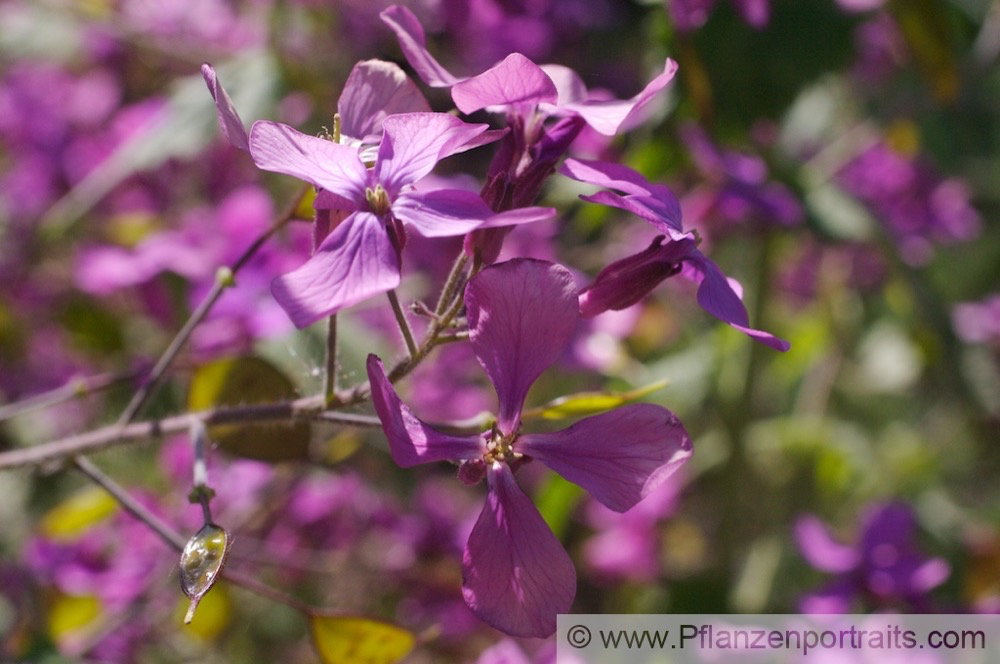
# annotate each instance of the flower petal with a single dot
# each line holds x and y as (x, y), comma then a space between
(514, 81)
(376, 89)
(413, 143)
(229, 120)
(516, 575)
(411, 441)
(717, 297)
(607, 117)
(279, 148)
(413, 42)
(653, 202)
(663, 213)
(442, 212)
(820, 549)
(518, 216)
(357, 260)
(522, 314)
(619, 456)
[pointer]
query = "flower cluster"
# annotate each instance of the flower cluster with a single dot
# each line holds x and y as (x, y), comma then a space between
(373, 192)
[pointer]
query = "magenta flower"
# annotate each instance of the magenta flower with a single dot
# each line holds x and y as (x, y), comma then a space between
(884, 567)
(361, 256)
(674, 251)
(517, 576)
(517, 84)
(373, 91)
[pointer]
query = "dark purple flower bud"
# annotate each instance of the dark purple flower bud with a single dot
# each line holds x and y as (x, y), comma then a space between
(627, 281)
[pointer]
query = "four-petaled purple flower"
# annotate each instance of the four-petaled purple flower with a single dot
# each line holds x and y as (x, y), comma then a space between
(884, 568)
(627, 281)
(361, 256)
(521, 317)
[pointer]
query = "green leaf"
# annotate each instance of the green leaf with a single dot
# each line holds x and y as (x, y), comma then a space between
(202, 560)
(589, 403)
(340, 639)
(556, 501)
(245, 381)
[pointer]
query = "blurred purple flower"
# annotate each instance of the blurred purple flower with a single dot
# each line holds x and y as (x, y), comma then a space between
(917, 207)
(689, 15)
(627, 546)
(883, 568)
(517, 576)
(630, 279)
(978, 322)
(739, 188)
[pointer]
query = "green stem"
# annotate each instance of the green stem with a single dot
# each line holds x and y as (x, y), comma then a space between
(330, 374)
(404, 325)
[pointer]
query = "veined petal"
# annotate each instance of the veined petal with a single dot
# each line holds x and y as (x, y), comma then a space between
(663, 213)
(568, 83)
(521, 316)
(607, 117)
(442, 212)
(376, 89)
(357, 260)
(516, 575)
(229, 120)
(411, 441)
(610, 176)
(718, 298)
(279, 148)
(619, 456)
(413, 42)
(413, 143)
(518, 216)
(514, 81)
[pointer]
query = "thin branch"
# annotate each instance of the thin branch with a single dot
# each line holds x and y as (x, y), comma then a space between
(76, 387)
(130, 504)
(330, 374)
(177, 541)
(116, 434)
(452, 284)
(404, 325)
(223, 280)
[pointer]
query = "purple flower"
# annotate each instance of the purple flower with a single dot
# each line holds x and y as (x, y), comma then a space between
(360, 257)
(978, 322)
(740, 188)
(373, 91)
(883, 567)
(918, 207)
(689, 15)
(517, 576)
(517, 84)
(625, 282)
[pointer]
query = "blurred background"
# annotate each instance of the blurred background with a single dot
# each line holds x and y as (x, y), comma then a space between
(839, 158)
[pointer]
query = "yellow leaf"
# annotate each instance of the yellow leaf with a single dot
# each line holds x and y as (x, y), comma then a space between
(80, 511)
(70, 614)
(304, 208)
(356, 640)
(590, 403)
(245, 381)
(213, 614)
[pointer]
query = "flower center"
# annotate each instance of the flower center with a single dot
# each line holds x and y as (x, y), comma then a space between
(378, 200)
(500, 448)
